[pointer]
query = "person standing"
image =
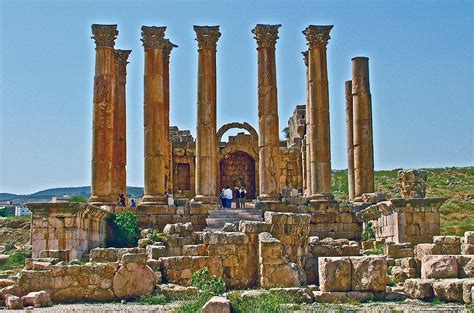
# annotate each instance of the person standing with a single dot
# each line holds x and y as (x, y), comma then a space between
(222, 196)
(243, 194)
(237, 197)
(228, 197)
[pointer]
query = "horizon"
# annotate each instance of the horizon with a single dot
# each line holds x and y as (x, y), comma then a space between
(421, 90)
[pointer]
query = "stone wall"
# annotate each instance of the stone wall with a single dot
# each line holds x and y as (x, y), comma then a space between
(297, 126)
(75, 227)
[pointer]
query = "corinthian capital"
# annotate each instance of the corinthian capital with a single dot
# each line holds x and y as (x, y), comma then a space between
(167, 47)
(121, 60)
(305, 57)
(104, 35)
(266, 35)
(153, 37)
(317, 36)
(207, 36)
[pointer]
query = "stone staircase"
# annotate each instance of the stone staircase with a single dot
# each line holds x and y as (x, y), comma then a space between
(217, 218)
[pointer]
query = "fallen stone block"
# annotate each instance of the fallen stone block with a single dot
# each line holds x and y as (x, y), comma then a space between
(439, 266)
(417, 288)
(37, 299)
(449, 290)
(216, 305)
(342, 296)
(14, 290)
(335, 274)
(468, 290)
(448, 244)
(133, 279)
(13, 302)
(466, 266)
(369, 273)
(6, 282)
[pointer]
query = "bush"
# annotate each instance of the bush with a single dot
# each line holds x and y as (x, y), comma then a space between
(126, 231)
(157, 236)
(368, 233)
(150, 299)
(203, 280)
(266, 303)
(16, 260)
(78, 199)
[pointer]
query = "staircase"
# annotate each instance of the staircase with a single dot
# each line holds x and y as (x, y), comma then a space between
(217, 218)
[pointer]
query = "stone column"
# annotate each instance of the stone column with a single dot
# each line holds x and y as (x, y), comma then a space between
(350, 139)
(308, 123)
(168, 46)
(103, 117)
(320, 147)
(362, 127)
(206, 140)
(154, 115)
(268, 139)
(119, 173)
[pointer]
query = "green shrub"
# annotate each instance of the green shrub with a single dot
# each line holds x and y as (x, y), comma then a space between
(151, 299)
(78, 199)
(203, 280)
(266, 303)
(368, 233)
(157, 236)
(126, 231)
(16, 260)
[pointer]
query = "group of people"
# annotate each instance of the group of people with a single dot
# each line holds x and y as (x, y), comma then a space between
(227, 195)
(123, 201)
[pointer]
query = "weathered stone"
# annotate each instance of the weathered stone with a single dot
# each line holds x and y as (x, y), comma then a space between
(13, 302)
(133, 280)
(6, 282)
(468, 290)
(335, 274)
(449, 289)
(469, 237)
(466, 266)
(176, 292)
(37, 299)
(137, 258)
(467, 248)
(104, 255)
(369, 273)
(426, 249)
(342, 296)
(14, 290)
(156, 252)
(297, 295)
(419, 288)
(439, 266)
(216, 305)
(412, 183)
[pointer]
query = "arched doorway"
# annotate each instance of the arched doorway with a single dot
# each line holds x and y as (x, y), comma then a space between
(238, 169)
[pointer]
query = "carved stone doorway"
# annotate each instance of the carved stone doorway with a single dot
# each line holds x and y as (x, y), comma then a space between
(238, 169)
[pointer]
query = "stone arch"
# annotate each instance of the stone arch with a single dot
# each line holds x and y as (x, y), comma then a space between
(244, 125)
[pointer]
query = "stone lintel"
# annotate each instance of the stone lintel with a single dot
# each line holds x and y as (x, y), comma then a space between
(104, 35)
(266, 35)
(317, 35)
(153, 37)
(207, 36)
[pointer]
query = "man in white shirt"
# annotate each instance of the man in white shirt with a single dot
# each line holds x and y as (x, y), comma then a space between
(228, 197)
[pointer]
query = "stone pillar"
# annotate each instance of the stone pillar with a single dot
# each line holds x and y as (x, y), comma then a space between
(362, 127)
(206, 140)
(103, 117)
(307, 141)
(320, 147)
(168, 46)
(350, 139)
(268, 139)
(119, 162)
(154, 115)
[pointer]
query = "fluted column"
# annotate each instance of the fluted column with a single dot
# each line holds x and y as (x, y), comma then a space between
(268, 139)
(307, 158)
(168, 46)
(362, 127)
(350, 139)
(320, 147)
(154, 114)
(206, 140)
(119, 162)
(103, 117)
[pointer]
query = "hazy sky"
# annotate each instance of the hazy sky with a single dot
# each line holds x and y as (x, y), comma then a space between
(421, 77)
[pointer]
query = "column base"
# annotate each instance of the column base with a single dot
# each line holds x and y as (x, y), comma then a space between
(102, 200)
(204, 199)
(154, 200)
(269, 198)
(321, 197)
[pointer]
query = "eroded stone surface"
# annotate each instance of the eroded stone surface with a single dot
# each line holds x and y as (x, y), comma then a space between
(133, 280)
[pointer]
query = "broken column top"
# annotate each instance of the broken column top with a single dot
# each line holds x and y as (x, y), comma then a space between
(266, 34)
(104, 35)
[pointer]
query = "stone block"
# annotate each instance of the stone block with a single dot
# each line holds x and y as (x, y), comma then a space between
(448, 244)
(469, 237)
(38, 299)
(467, 248)
(13, 302)
(14, 290)
(137, 258)
(156, 252)
(216, 304)
(449, 290)
(342, 296)
(468, 290)
(439, 266)
(6, 282)
(194, 250)
(133, 279)
(466, 266)
(177, 292)
(100, 255)
(335, 273)
(417, 288)
(369, 273)
(426, 249)
(297, 295)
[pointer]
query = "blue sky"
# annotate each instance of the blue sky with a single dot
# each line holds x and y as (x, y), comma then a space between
(421, 76)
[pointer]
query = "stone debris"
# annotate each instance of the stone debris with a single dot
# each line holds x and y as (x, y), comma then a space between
(38, 299)
(216, 305)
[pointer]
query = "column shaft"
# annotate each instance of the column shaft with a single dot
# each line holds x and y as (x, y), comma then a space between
(362, 126)
(308, 124)
(350, 139)
(103, 115)
(268, 140)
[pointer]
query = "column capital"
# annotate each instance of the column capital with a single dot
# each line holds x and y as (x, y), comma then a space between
(317, 35)
(167, 47)
(305, 57)
(266, 35)
(104, 35)
(121, 60)
(153, 37)
(207, 36)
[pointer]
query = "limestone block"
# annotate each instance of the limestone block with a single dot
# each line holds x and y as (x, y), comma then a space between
(398, 274)
(466, 266)
(133, 280)
(156, 252)
(468, 290)
(137, 258)
(177, 292)
(412, 183)
(37, 299)
(423, 249)
(335, 273)
(369, 273)
(194, 250)
(153, 264)
(448, 244)
(469, 237)
(13, 302)
(467, 248)
(216, 305)
(61, 255)
(283, 275)
(342, 296)
(439, 266)
(449, 290)
(417, 288)
(297, 295)
(104, 255)
(6, 282)
(14, 290)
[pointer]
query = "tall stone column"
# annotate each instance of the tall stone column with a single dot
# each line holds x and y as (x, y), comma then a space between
(307, 136)
(350, 139)
(119, 173)
(362, 126)
(103, 117)
(206, 140)
(320, 146)
(168, 46)
(154, 115)
(268, 139)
